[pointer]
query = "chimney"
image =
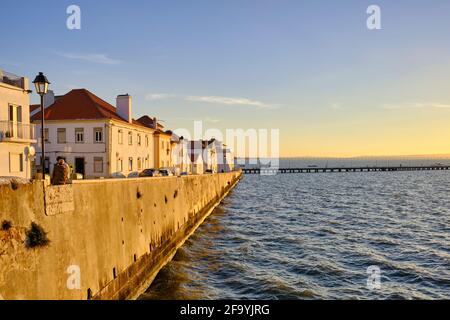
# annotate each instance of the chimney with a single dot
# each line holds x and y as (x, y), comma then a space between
(25, 84)
(155, 123)
(123, 105)
(49, 98)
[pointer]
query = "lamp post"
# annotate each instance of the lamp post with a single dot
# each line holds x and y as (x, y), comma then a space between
(41, 83)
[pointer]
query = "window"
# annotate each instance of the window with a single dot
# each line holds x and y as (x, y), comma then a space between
(130, 138)
(15, 162)
(139, 139)
(11, 112)
(146, 140)
(130, 164)
(120, 138)
(98, 164)
(162, 145)
(15, 113)
(139, 163)
(119, 165)
(61, 135)
(79, 135)
(98, 135)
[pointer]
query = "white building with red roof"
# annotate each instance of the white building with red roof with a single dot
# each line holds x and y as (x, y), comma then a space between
(95, 138)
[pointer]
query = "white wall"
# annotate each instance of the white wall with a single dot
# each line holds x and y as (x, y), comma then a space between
(124, 151)
(12, 95)
(19, 97)
(110, 150)
(71, 150)
(180, 156)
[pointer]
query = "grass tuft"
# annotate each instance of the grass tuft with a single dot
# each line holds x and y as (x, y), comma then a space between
(36, 237)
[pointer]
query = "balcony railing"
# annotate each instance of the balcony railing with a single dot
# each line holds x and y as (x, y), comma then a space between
(11, 79)
(16, 131)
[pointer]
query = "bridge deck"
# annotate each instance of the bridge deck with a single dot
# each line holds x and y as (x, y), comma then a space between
(342, 169)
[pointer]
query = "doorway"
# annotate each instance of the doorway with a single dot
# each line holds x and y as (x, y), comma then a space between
(79, 166)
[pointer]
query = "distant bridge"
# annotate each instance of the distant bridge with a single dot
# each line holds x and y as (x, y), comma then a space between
(342, 169)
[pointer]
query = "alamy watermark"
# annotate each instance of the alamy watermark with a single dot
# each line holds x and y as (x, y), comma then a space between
(374, 278)
(255, 147)
(374, 19)
(74, 279)
(73, 21)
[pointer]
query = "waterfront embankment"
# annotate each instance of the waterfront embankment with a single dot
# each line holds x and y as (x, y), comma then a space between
(107, 238)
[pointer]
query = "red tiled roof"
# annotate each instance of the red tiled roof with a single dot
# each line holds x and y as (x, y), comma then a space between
(34, 107)
(79, 104)
(158, 131)
(149, 122)
(146, 121)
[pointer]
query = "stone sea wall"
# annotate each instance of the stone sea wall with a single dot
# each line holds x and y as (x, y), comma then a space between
(107, 239)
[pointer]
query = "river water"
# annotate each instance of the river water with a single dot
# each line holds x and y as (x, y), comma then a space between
(313, 236)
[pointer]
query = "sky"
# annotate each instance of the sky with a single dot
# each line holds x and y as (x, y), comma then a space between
(311, 69)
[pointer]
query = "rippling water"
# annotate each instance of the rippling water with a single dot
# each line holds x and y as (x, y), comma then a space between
(312, 236)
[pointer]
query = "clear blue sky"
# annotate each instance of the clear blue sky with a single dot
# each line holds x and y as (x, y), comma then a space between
(310, 68)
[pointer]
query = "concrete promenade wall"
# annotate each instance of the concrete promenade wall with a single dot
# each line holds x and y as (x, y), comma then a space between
(115, 234)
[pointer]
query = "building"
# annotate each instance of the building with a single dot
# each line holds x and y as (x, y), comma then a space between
(16, 132)
(180, 155)
(228, 163)
(95, 138)
(195, 151)
(162, 141)
(210, 155)
(163, 152)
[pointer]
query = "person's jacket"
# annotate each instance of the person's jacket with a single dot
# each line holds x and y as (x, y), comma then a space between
(60, 174)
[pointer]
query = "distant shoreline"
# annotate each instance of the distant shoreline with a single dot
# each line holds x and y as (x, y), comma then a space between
(386, 157)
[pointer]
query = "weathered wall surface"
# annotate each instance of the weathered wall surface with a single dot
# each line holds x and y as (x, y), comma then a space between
(119, 233)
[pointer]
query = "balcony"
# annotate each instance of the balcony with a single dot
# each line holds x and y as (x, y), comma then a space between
(12, 79)
(17, 132)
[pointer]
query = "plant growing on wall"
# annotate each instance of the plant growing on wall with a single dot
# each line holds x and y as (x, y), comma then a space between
(6, 225)
(36, 237)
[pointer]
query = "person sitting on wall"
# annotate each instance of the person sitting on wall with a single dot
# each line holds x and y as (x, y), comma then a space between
(61, 172)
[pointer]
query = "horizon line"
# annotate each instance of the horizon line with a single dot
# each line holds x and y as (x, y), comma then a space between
(433, 155)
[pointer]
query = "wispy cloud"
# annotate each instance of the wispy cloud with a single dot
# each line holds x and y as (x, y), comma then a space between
(158, 96)
(204, 119)
(211, 120)
(231, 101)
(90, 57)
(212, 99)
(415, 106)
(336, 106)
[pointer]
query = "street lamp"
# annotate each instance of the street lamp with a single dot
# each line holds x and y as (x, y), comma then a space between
(41, 83)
